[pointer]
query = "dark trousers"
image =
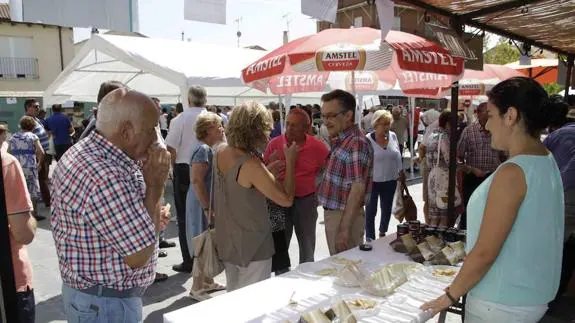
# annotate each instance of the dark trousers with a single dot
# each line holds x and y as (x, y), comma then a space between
(44, 181)
(181, 184)
(384, 191)
(26, 306)
(568, 265)
(470, 184)
(60, 150)
(164, 133)
(302, 217)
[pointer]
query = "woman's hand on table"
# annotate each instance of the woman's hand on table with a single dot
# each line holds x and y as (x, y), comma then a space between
(437, 305)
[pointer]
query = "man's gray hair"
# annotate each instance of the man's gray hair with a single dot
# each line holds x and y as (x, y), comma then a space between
(197, 96)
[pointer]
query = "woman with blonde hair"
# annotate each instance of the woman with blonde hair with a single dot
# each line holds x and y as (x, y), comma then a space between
(209, 131)
(242, 184)
(387, 169)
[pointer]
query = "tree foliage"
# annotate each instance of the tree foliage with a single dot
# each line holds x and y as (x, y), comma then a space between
(552, 88)
(502, 53)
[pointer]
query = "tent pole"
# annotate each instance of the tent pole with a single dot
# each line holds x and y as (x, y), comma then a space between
(570, 59)
(453, 149)
(411, 126)
(281, 114)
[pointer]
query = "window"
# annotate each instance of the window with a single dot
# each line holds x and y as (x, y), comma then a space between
(397, 23)
(17, 59)
(358, 22)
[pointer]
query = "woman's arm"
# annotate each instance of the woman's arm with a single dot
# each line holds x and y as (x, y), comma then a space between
(39, 152)
(262, 179)
(198, 173)
(504, 199)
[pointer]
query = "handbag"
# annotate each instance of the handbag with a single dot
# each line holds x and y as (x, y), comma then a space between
(440, 178)
(207, 262)
(404, 207)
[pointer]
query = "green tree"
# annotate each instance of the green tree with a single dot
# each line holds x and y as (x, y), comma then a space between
(552, 88)
(502, 53)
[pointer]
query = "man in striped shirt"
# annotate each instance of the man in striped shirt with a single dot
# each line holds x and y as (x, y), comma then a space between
(31, 109)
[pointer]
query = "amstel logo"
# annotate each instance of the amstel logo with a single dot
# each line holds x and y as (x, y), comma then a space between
(340, 59)
(364, 81)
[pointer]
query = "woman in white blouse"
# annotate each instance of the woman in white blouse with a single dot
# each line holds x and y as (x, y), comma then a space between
(387, 169)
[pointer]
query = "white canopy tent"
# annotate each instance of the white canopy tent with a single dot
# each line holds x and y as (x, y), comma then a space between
(161, 68)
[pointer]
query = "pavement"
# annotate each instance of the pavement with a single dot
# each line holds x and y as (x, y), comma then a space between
(172, 294)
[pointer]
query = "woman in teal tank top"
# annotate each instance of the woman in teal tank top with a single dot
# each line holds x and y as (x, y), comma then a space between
(515, 218)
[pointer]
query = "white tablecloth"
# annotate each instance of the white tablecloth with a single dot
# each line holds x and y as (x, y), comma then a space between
(253, 301)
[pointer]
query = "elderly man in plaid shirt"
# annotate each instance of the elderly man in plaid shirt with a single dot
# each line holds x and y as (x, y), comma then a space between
(347, 178)
(106, 211)
(478, 158)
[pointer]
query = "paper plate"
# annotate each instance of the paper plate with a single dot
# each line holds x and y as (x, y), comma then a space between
(318, 269)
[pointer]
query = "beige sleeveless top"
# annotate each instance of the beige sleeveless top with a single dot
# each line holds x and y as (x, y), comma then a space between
(242, 221)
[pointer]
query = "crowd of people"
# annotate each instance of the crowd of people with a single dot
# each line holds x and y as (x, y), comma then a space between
(108, 211)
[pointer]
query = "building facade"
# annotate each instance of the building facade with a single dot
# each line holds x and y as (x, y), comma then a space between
(31, 57)
(358, 13)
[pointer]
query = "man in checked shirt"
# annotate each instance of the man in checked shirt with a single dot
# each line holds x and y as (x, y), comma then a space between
(346, 184)
(479, 160)
(106, 212)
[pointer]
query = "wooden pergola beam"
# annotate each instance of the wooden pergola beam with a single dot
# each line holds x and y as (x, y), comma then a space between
(497, 8)
(483, 26)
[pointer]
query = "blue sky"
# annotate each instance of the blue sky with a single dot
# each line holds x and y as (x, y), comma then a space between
(262, 23)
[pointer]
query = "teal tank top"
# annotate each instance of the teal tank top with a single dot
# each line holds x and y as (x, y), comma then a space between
(528, 268)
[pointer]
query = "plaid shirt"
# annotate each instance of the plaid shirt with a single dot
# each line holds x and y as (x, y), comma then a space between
(99, 217)
(475, 148)
(350, 161)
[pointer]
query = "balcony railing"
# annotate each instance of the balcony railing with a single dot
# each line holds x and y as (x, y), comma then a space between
(18, 68)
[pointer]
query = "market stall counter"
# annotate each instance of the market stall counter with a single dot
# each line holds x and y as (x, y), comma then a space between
(390, 289)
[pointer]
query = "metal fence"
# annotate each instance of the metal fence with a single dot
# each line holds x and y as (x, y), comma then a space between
(18, 68)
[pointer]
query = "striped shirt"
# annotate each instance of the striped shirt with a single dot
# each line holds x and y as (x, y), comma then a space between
(42, 134)
(350, 161)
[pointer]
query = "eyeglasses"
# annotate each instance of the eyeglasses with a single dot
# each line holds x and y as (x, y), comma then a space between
(330, 116)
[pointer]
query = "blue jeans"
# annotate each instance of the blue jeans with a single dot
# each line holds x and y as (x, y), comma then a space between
(385, 192)
(85, 308)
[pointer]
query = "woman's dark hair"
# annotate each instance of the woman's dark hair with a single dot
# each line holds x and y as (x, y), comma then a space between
(530, 99)
(562, 108)
(179, 107)
(444, 118)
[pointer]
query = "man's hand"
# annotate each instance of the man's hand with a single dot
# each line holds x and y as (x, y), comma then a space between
(157, 166)
(291, 152)
(165, 216)
(341, 240)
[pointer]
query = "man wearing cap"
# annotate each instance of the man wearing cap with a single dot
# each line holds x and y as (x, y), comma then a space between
(561, 143)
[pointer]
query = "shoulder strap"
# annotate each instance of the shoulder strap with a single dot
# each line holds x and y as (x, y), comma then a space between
(214, 165)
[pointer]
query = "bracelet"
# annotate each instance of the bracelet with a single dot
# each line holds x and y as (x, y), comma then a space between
(451, 298)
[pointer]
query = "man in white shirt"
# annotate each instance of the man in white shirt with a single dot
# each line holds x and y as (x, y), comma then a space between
(182, 142)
